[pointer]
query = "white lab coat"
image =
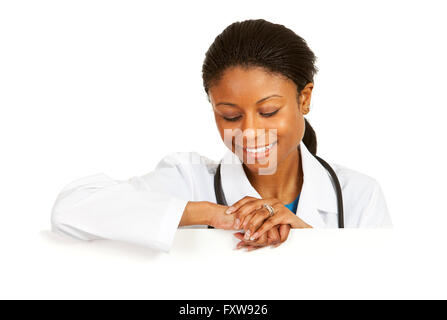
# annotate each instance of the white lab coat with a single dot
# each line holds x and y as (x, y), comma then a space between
(147, 209)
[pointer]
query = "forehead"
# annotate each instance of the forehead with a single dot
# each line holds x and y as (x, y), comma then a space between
(249, 84)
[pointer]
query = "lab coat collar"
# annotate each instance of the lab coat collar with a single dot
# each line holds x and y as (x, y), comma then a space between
(317, 193)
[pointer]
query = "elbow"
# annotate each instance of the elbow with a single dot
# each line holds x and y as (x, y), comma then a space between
(57, 217)
(66, 214)
(63, 223)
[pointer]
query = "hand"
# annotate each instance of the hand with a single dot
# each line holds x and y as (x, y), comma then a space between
(275, 237)
(217, 217)
(255, 219)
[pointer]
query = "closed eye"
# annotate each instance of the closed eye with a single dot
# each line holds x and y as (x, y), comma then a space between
(263, 114)
(232, 119)
(269, 114)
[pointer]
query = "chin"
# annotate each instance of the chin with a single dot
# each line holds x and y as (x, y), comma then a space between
(264, 168)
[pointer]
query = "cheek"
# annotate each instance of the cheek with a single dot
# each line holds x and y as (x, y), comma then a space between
(221, 126)
(300, 128)
(291, 131)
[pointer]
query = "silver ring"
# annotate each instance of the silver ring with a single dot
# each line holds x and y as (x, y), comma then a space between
(269, 208)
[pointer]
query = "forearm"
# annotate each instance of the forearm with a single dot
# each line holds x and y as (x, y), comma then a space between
(196, 213)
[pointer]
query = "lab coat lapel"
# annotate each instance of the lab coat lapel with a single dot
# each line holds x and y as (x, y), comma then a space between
(317, 193)
(235, 183)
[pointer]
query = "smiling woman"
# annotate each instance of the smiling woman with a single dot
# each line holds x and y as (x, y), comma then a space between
(258, 77)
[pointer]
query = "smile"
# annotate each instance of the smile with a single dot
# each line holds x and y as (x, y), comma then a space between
(260, 149)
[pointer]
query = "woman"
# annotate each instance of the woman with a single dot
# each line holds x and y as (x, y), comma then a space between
(258, 77)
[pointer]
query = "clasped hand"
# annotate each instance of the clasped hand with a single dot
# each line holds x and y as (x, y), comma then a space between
(260, 228)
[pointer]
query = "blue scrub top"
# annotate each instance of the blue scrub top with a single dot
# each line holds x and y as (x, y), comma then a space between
(293, 205)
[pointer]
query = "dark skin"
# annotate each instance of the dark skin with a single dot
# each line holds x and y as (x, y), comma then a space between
(235, 97)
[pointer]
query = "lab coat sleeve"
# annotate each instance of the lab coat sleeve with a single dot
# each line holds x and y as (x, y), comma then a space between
(376, 214)
(143, 210)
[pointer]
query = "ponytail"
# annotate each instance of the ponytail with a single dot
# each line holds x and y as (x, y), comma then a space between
(310, 138)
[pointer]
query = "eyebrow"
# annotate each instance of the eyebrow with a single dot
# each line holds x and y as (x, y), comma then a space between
(259, 101)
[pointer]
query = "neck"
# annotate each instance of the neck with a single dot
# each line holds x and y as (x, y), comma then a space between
(285, 184)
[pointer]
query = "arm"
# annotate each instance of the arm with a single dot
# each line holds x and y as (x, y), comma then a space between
(98, 207)
(207, 213)
(376, 214)
(195, 214)
(144, 210)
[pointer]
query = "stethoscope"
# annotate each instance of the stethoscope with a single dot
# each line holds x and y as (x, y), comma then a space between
(220, 196)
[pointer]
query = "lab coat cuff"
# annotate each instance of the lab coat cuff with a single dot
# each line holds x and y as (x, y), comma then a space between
(171, 220)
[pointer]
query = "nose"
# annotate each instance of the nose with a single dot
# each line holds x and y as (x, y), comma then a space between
(249, 122)
(253, 132)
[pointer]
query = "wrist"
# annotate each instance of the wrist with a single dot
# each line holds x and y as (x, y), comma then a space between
(196, 213)
(203, 213)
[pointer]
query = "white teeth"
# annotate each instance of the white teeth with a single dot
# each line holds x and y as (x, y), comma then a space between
(262, 149)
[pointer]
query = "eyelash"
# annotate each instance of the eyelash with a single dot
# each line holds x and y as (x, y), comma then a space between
(264, 115)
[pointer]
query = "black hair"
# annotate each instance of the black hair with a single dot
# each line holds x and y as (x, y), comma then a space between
(260, 43)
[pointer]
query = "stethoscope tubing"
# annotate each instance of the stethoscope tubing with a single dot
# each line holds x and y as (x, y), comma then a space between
(220, 196)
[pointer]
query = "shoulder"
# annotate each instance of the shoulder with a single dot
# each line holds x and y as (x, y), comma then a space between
(182, 174)
(363, 198)
(350, 178)
(188, 160)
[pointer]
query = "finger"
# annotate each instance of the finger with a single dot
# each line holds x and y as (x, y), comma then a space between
(244, 224)
(284, 230)
(260, 242)
(243, 244)
(249, 207)
(242, 214)
(254, 247)
(254, 205)
(257, 220)
(240, 244)
(251, 248)
(273, 236)
(239, 235)
(267, 225)
(248, 232)
(247, 219)
(235, 206)
(237, 223)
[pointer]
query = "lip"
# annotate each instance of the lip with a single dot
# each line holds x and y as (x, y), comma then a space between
(257, 147)
(258, 155)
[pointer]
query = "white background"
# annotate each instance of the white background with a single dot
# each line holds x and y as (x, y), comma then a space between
(113, 86)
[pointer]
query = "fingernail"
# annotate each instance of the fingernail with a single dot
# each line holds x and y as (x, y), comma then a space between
(247, 235)
(254, 236)
(229, 210)
(236, 223)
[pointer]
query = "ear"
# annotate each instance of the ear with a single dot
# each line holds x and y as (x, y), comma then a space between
(305, 97)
